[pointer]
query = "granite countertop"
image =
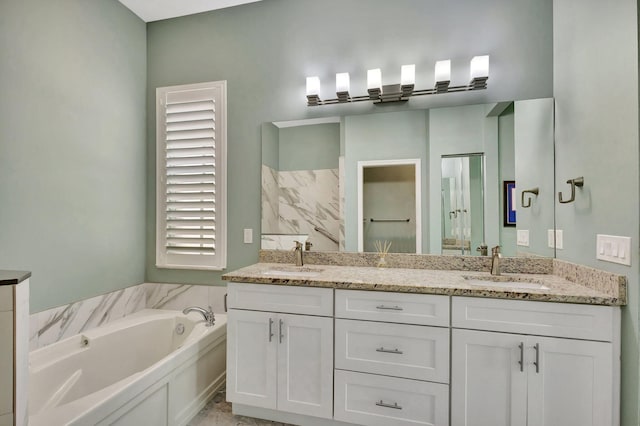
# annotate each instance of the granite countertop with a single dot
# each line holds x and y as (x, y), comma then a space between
(445, 282)
(13, 277)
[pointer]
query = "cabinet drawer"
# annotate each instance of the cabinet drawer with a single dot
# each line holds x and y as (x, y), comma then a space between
(408, 308)
(540, 318)
(277, 298)
(411, 351)
(373, 400)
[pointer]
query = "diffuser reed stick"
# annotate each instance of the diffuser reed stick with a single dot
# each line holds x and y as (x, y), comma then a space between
(382, 248)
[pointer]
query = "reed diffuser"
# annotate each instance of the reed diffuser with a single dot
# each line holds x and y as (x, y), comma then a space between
(382, 248)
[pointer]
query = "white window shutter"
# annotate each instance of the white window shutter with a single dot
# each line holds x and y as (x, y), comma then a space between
(191, 190)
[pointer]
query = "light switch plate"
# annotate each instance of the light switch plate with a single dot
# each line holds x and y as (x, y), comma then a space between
(551, 242)
(611, 248)
(523, 237)
(248, 236)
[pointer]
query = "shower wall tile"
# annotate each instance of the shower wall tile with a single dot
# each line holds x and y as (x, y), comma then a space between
(270, 203)
(309, 199)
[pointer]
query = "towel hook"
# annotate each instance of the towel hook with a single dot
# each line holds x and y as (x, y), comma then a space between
(579, 182)
(534, 191)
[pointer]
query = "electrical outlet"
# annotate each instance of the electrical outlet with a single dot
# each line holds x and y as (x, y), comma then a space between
(554, 239)
(523, 237)
(611, 248)
(248, 236)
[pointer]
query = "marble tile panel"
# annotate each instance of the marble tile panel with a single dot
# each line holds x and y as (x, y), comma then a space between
(175, 296)
(54, 324)
(270, 202)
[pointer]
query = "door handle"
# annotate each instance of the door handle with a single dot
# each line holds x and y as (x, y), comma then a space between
(281, 335)
(537, 361)
(521, 361)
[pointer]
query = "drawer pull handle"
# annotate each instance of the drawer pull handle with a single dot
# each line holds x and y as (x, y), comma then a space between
(389, 351)
(390, 308)
(395, 405)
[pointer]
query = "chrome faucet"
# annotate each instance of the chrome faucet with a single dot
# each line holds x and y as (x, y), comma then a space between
(208, 315)
(495, 260)
(298, 250)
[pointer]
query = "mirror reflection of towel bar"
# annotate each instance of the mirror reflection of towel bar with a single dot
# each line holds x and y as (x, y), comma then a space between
(388, 220)
(579, 182)
(534, 191)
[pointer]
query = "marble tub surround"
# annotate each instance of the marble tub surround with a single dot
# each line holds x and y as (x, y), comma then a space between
(430, 281)
(61, 322)
(529, 265)
(179, 296)
(58, 323)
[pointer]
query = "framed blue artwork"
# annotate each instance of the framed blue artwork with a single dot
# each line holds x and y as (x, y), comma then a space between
(509, 190)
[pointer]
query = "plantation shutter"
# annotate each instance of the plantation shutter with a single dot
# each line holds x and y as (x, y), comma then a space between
(191, 190)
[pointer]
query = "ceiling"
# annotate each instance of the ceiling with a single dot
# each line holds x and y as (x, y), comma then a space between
(155, 10)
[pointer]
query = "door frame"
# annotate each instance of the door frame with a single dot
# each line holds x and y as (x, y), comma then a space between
(418, 180)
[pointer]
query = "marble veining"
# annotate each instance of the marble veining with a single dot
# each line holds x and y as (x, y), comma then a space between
(58, 323)
(299, 201)
(431, 281)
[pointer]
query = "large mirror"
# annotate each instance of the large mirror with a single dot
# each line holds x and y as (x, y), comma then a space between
(441, 181)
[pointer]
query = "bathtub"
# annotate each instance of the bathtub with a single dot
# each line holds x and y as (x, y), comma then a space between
(154, 367)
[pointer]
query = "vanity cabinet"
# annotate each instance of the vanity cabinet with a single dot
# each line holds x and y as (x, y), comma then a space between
(280, 359)
(391, 358)
(526, 363)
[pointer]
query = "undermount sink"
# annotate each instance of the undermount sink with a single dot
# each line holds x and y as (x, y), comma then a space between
(293, 271)
(506, 282)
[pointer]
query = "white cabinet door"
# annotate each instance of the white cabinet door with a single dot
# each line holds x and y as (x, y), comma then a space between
(252, 344)
(571, 384)
(305, 365)
(488, 379)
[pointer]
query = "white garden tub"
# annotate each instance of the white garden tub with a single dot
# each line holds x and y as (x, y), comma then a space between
(139, 370)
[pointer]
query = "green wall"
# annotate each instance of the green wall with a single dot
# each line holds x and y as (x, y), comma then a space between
(506, 172)
(390, 136)
(311, 147)
(596, 45)
(72, 152)
(266, 65)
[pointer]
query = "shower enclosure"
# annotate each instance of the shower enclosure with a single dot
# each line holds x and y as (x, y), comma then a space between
(462, 204)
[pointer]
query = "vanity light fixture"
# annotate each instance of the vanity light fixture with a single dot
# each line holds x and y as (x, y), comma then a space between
(379, 93)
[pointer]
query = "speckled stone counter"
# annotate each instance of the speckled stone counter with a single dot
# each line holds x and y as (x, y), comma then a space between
(605, 289)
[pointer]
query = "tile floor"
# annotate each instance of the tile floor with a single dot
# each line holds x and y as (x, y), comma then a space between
(217, 412)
